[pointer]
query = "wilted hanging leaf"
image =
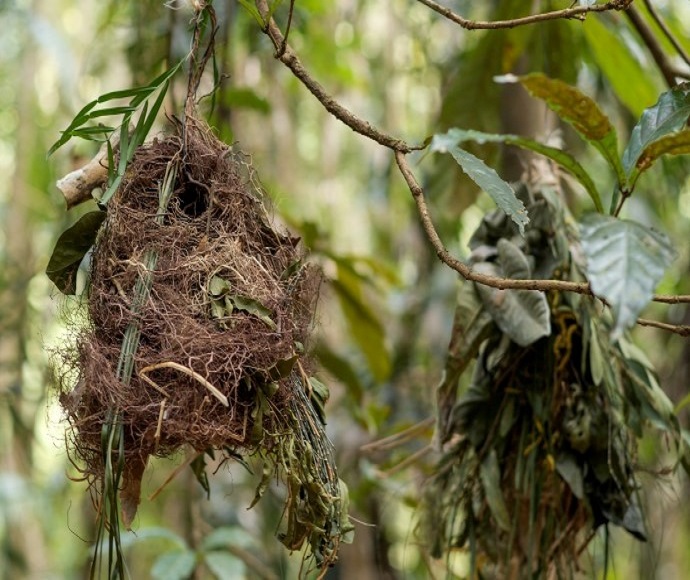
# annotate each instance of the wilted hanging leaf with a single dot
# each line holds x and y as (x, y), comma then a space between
(669, 114)
(70, 250)
(484, 177)
(521, 314)
(490, 474)
(625, 262)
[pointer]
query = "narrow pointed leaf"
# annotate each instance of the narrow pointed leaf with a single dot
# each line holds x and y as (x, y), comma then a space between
(521, 314)
(490, 475)
(580, 111)
(71, 248)
(484, 177)
(625, 262)
(669, 114)
(565, 160)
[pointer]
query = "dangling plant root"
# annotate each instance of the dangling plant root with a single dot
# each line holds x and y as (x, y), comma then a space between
(200, 310)
(540, 449)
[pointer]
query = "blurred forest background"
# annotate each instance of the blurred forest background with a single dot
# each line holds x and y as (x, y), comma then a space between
(384, 318)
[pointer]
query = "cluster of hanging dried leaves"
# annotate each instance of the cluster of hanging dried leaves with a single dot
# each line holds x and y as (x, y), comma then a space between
(218, 362)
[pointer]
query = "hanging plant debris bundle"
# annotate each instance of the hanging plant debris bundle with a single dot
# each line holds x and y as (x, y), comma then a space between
(200, 310)
(540, 448)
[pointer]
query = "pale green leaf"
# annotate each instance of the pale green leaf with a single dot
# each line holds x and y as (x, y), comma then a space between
(625, 262)
(565, 160)
(177, 565)
(226, 536)
(224, 565)
(485, 177)
(521, 314)
(571, 473)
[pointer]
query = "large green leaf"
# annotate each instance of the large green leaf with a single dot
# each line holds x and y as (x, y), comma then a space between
(612, 55)
(565, 160)
(484, 177)
(625, 262)
(521, 314)
(70, 250)
(580, 111)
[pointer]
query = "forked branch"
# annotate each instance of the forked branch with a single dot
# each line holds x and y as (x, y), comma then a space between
(289, 58)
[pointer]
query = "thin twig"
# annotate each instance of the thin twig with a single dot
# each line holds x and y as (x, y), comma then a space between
(495, 282)
(680, 329)
(667, 32)
(577, 12)
(405, 463)
(399, 438)
(289, 58)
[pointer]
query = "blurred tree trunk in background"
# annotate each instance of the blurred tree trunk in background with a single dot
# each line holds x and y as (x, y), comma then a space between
(25, 554)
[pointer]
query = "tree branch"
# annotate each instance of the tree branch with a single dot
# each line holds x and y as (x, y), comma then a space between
(578, 12)
(680, 329)
(667, 32)
(655, 49)
(287, 56)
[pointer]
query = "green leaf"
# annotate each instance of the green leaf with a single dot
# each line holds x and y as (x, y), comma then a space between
(673, 144)
(244, 98)
(667, 115)
(249, 7)
(177, 565)
(226, 536)
(70, 250)
(254, 307)
(224, 565)
(490, 475)
(521, 314)
(619, 64)
(625, 262)
(363, 324)
(580, 111)
(565, 160)
(484, 177)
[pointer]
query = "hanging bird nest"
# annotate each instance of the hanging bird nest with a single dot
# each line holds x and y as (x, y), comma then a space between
(540, 447)
(200, 312)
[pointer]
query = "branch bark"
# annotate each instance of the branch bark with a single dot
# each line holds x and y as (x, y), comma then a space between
(577, 12)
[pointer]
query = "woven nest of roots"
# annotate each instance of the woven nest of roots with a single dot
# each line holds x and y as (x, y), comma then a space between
(200, 311)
